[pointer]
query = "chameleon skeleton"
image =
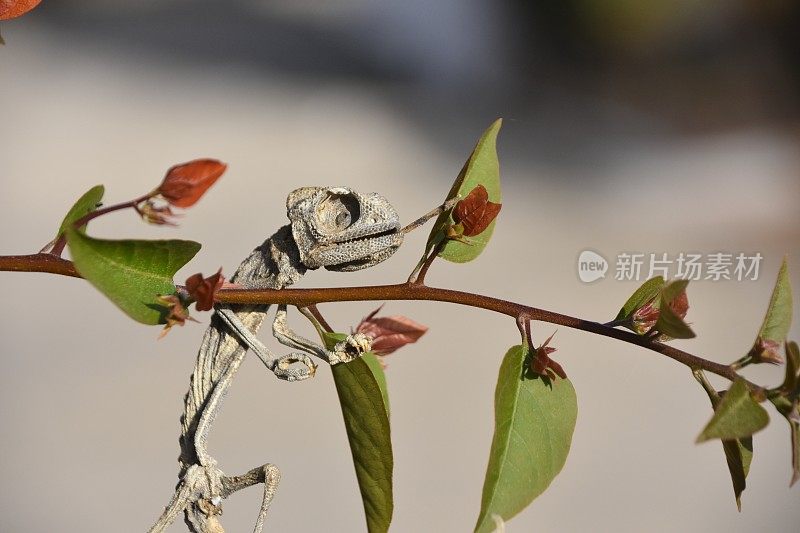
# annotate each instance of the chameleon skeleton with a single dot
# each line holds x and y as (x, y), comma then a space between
(331, 227)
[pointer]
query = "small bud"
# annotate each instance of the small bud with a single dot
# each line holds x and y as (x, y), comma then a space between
(644, 318)
(662, 316)
(455, 232)
(186, 183)
(177, 314)
(158, 215)
(541, 363)
(765, 351)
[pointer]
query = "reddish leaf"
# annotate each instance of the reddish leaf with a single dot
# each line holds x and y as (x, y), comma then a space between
(680, 304)
(10, 9)
(542, 364)
(475, 212)
(202, 290)
(390, 333)
(184, 184)
(644, 318)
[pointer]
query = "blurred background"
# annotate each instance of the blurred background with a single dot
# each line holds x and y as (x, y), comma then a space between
(660, 126)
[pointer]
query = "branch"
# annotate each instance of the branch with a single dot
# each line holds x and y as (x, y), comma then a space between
(414, 291)
(44, 262)
(41, 262)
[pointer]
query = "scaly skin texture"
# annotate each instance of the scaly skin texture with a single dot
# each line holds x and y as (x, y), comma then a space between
(274, 265)
(332, 227)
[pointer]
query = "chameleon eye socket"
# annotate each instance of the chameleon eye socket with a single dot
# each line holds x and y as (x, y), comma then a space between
(343, 219)
(337, 212)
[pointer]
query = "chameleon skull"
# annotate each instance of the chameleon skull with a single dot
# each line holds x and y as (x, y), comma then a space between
(342, 230)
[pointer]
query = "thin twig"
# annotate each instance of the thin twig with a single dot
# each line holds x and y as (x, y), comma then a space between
(427, 216)
(61, 240)
(419, 274)
(321, 319)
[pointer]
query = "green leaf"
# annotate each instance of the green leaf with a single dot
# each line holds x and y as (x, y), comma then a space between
(738, 452)
(792, 374)
(779, 313)
(534, 421)
(669, 323)
(648, 291)
(330, 339)
(738, 455)
(673, 289)
(788, 404)
(482, 168)
(365, 410)
(131, 273)
(672, 325)
(85, 205)
(380, 377)
(774, 329)
(737, 415)
(662, 294)
(791, 412)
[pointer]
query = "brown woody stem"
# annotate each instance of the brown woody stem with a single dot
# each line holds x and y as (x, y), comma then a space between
(403, 291)
(41, 262)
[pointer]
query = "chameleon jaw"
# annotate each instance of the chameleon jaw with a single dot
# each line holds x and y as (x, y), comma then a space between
(361, 253)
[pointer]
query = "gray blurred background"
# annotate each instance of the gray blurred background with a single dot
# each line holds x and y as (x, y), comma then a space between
(651, 126)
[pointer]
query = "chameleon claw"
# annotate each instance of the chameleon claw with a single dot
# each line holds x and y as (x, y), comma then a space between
(353, 346)
(285, 367)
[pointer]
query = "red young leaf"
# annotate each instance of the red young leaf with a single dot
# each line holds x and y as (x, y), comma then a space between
(202, 290)
(475, 212)
(680, 304)
(389, 333)
(184, 184)
(10, 9)
(644, 318)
